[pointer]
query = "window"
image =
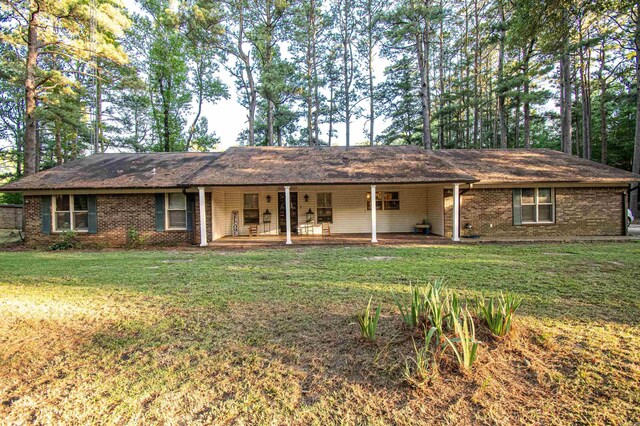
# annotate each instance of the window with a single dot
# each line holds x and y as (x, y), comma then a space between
(385, 200)
(536, 205)
(251, 212)
(391, 201)
(71, 212)
(325, 207)
(80, 213)
(378, 201)
(176, 211)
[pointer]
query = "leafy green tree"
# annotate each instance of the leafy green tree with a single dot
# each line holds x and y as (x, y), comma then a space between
(399, 101)
(68, 29)
(203, 35)
(168, 72)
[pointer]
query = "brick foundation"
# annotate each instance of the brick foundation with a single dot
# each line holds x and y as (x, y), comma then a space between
(579, 212)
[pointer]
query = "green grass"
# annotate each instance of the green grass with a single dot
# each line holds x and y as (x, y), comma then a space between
(270, 336)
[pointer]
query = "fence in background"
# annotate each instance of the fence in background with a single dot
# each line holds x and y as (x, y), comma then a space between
(11, 216)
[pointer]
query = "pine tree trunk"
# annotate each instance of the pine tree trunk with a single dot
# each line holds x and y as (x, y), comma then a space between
(565, 104)
(476, 76)
(99, 133)
(565, 88)
(372, 112)
(58, 139)
(501, 95)
(331, 109)
(30, 137)
(578, 134)
(467, 91)
(441, 78)
(603, 106)
(270, 114)
(346, 59)
(585, 95)
(166, 113)
(527, 106)
(516, 126)
(309, 96)
(422, 47)
(246, 61)
(19, 150)
(636, 149)
(316, 96)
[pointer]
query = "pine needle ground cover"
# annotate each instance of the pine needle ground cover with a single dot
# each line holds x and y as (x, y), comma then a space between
(271, 336)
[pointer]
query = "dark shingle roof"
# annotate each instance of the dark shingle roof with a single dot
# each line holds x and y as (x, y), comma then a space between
(320, 165)
(123, 171)
(324, 165)
(532, 165)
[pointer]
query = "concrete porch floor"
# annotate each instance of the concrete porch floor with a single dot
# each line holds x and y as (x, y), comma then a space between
(395, 239)
(337, 239)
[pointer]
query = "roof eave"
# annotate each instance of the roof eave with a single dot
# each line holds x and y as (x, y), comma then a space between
(607, 182)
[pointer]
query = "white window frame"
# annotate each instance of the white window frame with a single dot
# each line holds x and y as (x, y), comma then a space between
(382, 201)
(318, 207)
(537, 204)
(167, 210)
(72, 216)
(244, 223)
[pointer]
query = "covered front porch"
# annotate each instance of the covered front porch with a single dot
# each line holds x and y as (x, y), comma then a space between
(327, 214)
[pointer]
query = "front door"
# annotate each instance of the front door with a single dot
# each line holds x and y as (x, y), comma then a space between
(282, 213)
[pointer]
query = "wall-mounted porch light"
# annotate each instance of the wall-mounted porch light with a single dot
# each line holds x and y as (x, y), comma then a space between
(268, 199)
(306, 198)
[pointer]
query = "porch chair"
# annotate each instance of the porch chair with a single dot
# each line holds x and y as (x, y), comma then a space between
(253, 230)
(326, 229)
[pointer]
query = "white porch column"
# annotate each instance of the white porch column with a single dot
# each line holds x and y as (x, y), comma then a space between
(287, 202)
(374, 212)
(456, 212)
(203, 216)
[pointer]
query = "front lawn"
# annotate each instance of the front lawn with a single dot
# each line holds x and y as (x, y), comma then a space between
(269, 336)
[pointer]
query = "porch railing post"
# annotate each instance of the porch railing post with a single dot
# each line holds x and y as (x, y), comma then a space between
(374, 208)
(203, 216)
(287, 209)
(456, 212)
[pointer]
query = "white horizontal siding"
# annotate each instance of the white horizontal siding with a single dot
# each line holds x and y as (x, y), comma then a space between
(350, 214)
(218, 211)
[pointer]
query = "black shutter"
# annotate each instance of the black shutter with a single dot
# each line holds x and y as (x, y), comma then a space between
(46, 214)
(191, 200)
(92, 216)
(159, 212)
(517, 207)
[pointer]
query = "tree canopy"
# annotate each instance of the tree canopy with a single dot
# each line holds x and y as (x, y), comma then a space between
(82, 76)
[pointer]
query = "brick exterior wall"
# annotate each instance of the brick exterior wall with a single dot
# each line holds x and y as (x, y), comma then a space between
(10, 216)
(116, 214)
(579, 212)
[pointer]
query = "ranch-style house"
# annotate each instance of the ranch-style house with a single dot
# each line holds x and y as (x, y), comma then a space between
(289, 193)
